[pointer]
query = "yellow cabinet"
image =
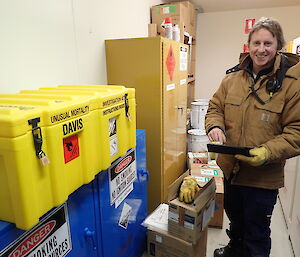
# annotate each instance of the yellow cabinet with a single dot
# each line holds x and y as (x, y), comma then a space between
(157, 68)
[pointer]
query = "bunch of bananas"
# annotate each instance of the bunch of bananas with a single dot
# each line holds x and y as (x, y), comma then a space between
(188, 189)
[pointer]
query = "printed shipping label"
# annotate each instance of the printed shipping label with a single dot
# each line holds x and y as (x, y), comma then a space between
(189, 222)
(209, 172)
(202, 179)
(122, 174)
(173, 216)
(188, 225)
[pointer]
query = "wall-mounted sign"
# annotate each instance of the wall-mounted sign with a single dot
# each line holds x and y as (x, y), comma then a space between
(245, 48)
(249, 23)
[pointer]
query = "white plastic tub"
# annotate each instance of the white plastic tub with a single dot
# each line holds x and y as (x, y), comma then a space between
(197, 140)
(199, 109)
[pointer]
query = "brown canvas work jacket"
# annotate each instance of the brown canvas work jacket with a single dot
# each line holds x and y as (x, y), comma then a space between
(246, 121)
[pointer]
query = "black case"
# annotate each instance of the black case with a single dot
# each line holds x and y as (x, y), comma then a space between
(229, 149)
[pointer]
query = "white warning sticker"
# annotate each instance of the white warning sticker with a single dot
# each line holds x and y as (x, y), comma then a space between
(122, 174)
(183, 58)
(50, 237)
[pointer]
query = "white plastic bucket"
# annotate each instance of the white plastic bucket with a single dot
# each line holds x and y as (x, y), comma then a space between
(197, 140)
(199, 109)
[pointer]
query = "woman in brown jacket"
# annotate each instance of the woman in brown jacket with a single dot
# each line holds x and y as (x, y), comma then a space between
(257, 104)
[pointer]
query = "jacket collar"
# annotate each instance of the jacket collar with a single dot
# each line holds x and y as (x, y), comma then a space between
(247, 65)
(293, 60)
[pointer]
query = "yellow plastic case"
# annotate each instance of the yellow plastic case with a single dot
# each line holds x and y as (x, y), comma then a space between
(37, 171)
(115, 117)
(73, 126)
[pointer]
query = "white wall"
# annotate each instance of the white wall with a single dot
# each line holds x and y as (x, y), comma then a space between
(220, 39)
(51, 42)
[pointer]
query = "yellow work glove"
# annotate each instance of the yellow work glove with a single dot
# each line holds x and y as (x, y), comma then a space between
(188, 189)
(259, 156)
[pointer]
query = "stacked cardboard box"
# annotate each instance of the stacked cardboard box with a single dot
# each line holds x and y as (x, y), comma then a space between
(186, 221)
(184, 15)
(181, 229)
(197, 158)
(162, 244)
(203, 173)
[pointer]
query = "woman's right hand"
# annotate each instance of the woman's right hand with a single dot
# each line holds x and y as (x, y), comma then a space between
(216, 134)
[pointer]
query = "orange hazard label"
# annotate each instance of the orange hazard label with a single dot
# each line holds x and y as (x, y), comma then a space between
(170, 63)
(71, 148)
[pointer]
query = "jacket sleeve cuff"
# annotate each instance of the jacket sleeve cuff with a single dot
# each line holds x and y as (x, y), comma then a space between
(208, 130)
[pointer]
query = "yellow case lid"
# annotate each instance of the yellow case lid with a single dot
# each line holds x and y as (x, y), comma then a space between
(17, 109)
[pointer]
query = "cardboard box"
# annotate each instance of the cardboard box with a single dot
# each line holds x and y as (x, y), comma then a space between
(217, 220)
(186, 221)
(184, 9)
(202, 176)
(152, 30)
(191, 12)
(182, 13)
(162, 244)
(177, 9)
(197, 158)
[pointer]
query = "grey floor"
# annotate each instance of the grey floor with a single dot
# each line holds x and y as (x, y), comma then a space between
(281, 246)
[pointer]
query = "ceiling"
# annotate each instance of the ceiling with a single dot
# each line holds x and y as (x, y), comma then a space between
(230, 5)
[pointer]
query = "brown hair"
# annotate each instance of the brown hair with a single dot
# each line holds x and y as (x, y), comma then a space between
(272, 26)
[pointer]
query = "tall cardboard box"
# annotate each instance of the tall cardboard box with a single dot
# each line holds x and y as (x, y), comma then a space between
(217, 220)
(187, 221)
(203, 173)
(162, 244)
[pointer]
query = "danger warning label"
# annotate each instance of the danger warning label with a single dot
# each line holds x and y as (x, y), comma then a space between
(170, 63)
(71, 148)
(122, 174)
(49, 238)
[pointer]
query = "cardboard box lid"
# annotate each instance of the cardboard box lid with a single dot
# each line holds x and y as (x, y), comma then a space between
(202, 180)
(201, 198)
